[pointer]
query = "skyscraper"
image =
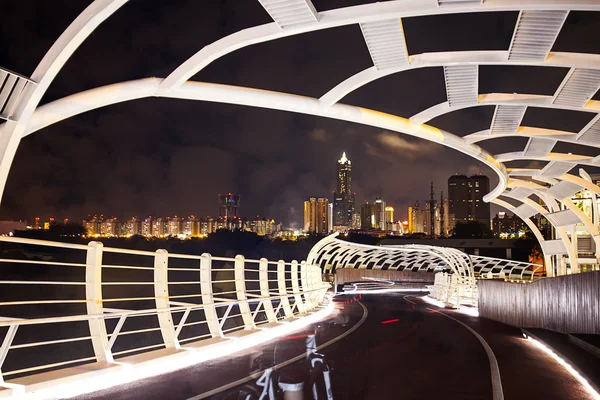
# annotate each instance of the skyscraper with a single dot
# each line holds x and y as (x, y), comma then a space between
(458, 197)
(389, 216)
(417, 219)
(316, 215)
(229, 206)
(368, 216)
(479, 186)
(343, 197)
(380, 213)
(465, 198)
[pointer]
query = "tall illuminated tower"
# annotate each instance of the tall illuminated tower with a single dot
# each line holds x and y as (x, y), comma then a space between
(343, 197)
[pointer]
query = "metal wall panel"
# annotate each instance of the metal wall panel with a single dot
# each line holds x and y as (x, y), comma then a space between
(569, 304)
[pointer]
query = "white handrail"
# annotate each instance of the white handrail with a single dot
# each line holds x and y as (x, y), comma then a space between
(272, 295)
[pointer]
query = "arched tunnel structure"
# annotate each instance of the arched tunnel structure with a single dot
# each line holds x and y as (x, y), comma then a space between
(546, 190)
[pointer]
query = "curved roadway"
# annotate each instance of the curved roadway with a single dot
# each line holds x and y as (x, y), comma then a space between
(387, 346)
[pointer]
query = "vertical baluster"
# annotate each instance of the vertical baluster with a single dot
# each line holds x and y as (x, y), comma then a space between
(296, 287)
(263, 276)
(161, 294)
(240, 288)
(93, 292)
(206, 287)
(285, 302)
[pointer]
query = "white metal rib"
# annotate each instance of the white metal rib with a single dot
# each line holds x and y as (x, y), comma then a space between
(386, 43)
(539, 147)
(290, 12)
(507, 119)
(578, 87)
(535, 34)
(462, 84)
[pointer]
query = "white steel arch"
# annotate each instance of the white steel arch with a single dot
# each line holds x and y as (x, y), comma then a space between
(378, 21)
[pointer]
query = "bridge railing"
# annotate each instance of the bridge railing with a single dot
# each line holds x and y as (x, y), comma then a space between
(64, 305)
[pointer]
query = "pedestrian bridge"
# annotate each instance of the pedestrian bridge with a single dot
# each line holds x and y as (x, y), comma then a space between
(95, 316)
(110, 314)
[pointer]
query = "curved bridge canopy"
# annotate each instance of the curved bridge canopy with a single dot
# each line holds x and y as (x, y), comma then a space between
(332, 253)
(538, 25)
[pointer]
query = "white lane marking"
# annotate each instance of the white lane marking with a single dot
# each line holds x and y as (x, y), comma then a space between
(283, 364)
(497, 393)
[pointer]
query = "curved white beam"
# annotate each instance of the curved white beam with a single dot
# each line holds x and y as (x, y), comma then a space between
(532, 227)
(529, 131)
(355, 15)
(570, 158)
(562, 233)
(99, 97)
(540, 191)
(497, 99)
(425, 60)
(44, 74)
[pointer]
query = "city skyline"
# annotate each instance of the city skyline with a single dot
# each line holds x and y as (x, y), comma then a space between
(172, 156)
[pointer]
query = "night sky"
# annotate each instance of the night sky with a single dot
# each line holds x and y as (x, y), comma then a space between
(172, 157)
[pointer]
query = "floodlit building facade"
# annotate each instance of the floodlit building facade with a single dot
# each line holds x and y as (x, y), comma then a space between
(316, 215)
(343, 197)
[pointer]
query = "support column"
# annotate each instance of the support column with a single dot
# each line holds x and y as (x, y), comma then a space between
(296, 287)
(210, 311)
(263, 277)
(574, 240)
(93, 293)
(240, 288)
(285, 302)
(161, 294)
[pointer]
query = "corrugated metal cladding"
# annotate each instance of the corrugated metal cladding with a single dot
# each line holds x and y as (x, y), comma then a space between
(568, 304)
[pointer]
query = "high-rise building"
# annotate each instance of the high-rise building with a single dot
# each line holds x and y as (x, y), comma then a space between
(131, 227)
(93, 226)
(417, 219)
(316, 215)
(229, 206)
(389, 218)
(368, 216)
(173, 226)
(458, 197)
(479, 186)
(379, 213)
(343, 197)
(159, 227)
(147, 227)
(110, 227)
(356, 220)
(465, 198)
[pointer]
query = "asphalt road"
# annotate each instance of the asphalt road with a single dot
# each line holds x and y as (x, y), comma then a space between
(385, 346)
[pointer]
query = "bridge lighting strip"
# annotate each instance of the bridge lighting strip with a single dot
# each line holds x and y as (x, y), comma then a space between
(595, 395)
(471, 311)
(382, 291)
(128, 373)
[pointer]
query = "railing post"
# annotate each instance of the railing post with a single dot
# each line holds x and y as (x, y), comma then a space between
(93, 293)
(210, 311)
(240, 288)
(282, 289)
(305, 285)
(296, 287)
(263, 277)
(161, 294)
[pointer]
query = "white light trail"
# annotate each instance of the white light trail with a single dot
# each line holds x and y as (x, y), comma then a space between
(595, 395)
(124, 373)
